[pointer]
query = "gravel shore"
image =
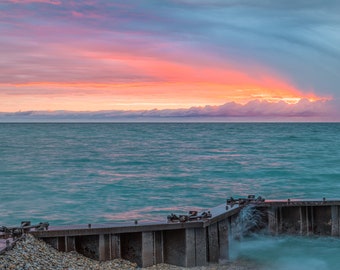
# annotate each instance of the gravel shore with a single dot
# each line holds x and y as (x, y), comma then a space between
(33, 254)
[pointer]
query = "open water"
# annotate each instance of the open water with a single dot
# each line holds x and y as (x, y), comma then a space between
(101, 172)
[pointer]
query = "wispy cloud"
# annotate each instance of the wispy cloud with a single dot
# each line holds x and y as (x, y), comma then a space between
(203, 52)
(52, 2)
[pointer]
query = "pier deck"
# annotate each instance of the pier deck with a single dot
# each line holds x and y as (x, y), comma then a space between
(218, 213)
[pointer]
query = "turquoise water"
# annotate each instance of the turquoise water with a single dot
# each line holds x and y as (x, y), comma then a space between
(289, 253)
(89, 173)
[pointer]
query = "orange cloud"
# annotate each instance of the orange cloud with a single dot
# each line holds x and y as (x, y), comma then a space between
(133, 96)
(126, 79)
(175, 87)
(212, 82)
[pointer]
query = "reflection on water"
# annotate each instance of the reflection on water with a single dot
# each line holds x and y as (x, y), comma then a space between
(94, 173)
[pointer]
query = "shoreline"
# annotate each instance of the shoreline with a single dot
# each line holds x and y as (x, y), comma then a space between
(32, 254)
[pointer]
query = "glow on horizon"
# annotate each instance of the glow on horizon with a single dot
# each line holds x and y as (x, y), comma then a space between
(164, 85)
(139, 96)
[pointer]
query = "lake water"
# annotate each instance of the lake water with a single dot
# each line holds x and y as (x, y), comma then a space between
(102, 172)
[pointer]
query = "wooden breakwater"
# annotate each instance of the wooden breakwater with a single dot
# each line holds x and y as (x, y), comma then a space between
(195, 242)
(303, 217)
(188, 244)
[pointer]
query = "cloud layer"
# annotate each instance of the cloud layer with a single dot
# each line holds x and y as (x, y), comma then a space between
(122, 55)
(254, 110)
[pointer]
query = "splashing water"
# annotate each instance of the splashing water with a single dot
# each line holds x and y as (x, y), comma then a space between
(249, 220)
(251, 243)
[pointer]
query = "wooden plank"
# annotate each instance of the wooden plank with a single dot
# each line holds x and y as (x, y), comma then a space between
(190, 248)
(159, 247)
(201, 247)
(214, 251)
(335, 220)
(104, 247)
(148, 255)
(174, 247)
(70, 244)
(61, 244)
(301, 220)
(272, 220)
(115, 246)
(223, 239)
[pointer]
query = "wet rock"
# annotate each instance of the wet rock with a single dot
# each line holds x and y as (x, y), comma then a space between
(33, 254)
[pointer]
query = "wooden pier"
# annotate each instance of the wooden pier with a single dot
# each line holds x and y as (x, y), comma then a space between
(196, 242)
(304, 217)
(147, 243)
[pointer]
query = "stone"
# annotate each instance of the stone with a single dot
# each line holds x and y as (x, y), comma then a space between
(33, 254)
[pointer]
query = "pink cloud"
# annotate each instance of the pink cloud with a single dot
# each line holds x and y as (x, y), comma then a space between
(255, 108)
(52, 2)
(87, 15)
(304, 110)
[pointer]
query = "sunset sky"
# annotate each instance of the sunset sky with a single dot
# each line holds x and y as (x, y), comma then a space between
(215, 57)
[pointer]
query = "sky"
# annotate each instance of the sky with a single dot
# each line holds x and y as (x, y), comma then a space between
(220, 58)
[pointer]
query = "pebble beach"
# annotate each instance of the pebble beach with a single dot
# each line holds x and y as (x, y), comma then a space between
(33, 254)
